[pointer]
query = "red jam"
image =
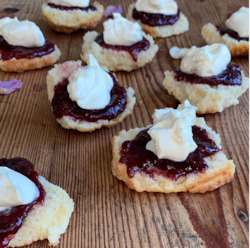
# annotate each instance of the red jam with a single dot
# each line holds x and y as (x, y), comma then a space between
(133, 50)
(67, 8)
(8, 52)
(11, 220)
(231, 33)
(155, 19)
(137, 158)
(63, 106)
(230, 76)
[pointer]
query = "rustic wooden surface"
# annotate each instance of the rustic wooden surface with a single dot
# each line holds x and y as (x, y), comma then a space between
(107, 213)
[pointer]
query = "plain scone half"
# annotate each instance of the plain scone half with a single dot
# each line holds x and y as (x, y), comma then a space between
(219, 172)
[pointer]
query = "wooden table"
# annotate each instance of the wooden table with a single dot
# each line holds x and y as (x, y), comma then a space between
(107, 213)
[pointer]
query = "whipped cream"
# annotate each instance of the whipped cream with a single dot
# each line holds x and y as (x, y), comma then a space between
(165, 7)
(71, 3)
(239, 22)
(15, 189)
(171, 135)
(121, 31)
(177, 53)
(90, 86)
(21, 33)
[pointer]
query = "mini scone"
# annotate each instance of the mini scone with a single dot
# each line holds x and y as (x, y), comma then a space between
(206, 78)
(31, 208)
(122, 46)
(179, 153)
(158, 18)
(235, 35)
(71, 15)
(23, 46)
(87, 98)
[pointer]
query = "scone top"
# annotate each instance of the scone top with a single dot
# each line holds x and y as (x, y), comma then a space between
(71, 3)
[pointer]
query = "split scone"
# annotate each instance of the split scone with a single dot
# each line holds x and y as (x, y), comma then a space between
(158, 18)
(207, 79)
(23, 46)
(122, 46)
(31, 208)
(179, 153)
(87, 98)
(68, 16)
(235, 36)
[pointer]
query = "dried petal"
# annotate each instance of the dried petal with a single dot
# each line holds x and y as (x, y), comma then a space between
(112, 9)
(7, 87)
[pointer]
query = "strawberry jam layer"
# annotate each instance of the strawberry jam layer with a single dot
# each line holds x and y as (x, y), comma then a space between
(155, 19)
(63, 106)
(68, 8)
(11, 220)
(231, 33)
(138, 159)
(133, 50)
(230, 76)
(18, 52)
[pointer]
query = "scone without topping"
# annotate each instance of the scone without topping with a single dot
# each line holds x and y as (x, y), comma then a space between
(219, 172)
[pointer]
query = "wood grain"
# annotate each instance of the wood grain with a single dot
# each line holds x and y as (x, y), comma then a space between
(107, 213)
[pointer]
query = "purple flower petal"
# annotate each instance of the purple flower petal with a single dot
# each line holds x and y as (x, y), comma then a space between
(7, 87)
(112, 9)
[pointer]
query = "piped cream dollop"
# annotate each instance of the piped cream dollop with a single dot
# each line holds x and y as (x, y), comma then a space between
(171, 135)
(121, 31)
(71, 3)
(90, 86)
(15, 189)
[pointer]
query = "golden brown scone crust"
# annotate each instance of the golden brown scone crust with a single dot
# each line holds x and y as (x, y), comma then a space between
(179, 27)
(20, 65)
(212, 35)
(62, 71)
(220, 170)
(73, 20)
(208, 99)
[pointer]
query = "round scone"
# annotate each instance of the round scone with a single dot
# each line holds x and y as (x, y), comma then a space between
(237, 47)
(58, 74)
(70, 19)
(220, 170)
(180, 26)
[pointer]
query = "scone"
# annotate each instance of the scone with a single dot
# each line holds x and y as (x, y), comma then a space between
(71, 18)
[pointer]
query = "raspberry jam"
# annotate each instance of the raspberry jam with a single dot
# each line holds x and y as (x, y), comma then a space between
(11, 220)
(155, 19)
(230, 76)
(137, 158)
(67, 8)
(133, 50)
(63, 106)
(231, 33)
(8, 52)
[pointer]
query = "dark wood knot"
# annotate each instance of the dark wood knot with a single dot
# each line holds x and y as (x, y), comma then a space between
(11, 10)
(242, 216)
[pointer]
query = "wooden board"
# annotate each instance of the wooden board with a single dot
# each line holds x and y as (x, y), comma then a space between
(108, 214)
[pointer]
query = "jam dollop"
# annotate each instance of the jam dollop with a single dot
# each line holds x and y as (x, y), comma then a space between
(231, 33)
(133, 50)
(155, 19)
(138, 159)
(67, 8)
(230, 76)
(63, 106)
(8, 51)
(11, 220)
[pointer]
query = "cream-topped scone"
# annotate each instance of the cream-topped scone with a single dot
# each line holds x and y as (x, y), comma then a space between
(71, 15)
(235, 35)
(23, 46)
(206, 78)
(178, 153)
(122, 46)
(159, 18)
(86, 98)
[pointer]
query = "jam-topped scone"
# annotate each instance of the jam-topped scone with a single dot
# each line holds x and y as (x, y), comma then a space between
(31, 208)
(159, 18)
(121, 47)
(206, 78)
(71, 15)
(87, 98)
(235, 35)
(179, 153)
(23, 46)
